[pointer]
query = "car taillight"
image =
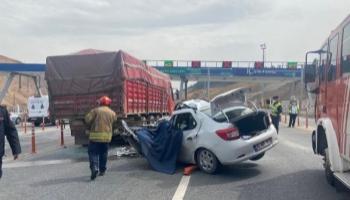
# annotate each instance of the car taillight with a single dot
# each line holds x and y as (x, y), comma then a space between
(231, 133)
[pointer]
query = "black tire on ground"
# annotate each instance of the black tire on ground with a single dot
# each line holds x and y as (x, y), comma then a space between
(37, 123)
(258, 157)
(327, 166)
(207, 161)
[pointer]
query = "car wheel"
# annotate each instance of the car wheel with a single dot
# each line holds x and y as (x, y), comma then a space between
(18, 120)
(258, 157)
(327, 167)
(207, 161)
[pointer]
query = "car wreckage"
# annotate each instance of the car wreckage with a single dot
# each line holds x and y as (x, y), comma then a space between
(227, 130)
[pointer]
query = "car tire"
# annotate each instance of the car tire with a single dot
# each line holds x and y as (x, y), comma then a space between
(258, 157)
(327, 166)
(207, 161)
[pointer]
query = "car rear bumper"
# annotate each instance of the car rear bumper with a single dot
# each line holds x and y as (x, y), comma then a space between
(241, 150)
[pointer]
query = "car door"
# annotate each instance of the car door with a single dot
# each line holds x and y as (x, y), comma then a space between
(187, 121)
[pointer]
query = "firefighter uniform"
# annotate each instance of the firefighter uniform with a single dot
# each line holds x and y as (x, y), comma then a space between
(276, 110)
(99, 122)
(8, 129)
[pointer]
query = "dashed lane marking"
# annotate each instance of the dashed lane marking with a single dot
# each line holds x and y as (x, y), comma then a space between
(181, 189)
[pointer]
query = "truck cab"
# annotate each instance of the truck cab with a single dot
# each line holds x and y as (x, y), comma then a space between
(327, 81)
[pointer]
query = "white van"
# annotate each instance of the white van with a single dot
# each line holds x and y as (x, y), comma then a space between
(38, 110)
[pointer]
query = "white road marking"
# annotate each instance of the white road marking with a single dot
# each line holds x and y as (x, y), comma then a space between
(181, 189)
(36, 163)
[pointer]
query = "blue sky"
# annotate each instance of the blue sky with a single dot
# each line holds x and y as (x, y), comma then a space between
(30, 30)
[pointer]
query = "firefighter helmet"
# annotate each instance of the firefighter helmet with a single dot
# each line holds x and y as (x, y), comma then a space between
(105, 101)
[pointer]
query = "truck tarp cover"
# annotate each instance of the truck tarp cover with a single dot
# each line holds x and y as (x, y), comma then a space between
(97, 72)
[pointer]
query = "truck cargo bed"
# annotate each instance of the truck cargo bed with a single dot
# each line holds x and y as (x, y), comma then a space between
(76, 82)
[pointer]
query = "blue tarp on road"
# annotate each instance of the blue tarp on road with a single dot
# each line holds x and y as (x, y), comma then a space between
(161, 147)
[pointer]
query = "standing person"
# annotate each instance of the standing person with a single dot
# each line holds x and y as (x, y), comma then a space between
(99, 121)
(177, 94)
(8, 129)
(276, 110)
(293, 113)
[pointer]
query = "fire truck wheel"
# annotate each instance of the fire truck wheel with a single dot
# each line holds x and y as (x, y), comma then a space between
(327, 167)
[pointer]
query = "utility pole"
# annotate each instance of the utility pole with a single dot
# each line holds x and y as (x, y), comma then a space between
(263, 47)
(208, 84)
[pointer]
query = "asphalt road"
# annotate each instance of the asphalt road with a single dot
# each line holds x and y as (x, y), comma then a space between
(47, 141)
(289, 171)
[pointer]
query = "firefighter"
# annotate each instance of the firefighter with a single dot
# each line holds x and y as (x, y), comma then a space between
(293, 112)
(276, 110)
(8, 129)
(99, 121)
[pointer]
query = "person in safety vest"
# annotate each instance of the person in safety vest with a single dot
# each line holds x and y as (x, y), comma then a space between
(276, 110)
(99, 121)
(293, 112)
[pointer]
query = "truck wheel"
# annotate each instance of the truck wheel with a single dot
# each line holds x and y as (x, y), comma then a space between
(37, 124)
(207, 161)
(258, 157)
(327, 167)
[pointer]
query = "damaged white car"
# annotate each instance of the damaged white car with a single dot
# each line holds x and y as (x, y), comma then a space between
(223, 132)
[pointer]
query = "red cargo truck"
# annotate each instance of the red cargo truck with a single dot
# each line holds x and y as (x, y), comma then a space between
(75, 82)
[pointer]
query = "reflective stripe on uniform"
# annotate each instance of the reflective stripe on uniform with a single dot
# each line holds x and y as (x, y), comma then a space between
(100, 136)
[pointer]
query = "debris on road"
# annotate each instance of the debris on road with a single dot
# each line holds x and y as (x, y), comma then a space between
(125, 151)
(190, 169)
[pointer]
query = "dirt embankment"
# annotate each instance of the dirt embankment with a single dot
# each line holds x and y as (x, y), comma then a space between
(283, 89)
(21, 87)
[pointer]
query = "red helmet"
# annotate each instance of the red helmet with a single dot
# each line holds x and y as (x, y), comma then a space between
(105, 101)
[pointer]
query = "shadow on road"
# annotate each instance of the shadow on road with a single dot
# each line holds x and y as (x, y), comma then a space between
(138, 168)
(81, 179)
(227, 174)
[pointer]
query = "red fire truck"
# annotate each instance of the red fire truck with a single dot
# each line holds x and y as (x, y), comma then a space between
(327, 80)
